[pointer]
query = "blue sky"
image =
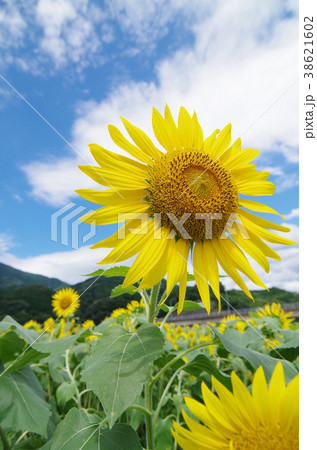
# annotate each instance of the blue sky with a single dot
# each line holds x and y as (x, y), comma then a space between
(83, 64)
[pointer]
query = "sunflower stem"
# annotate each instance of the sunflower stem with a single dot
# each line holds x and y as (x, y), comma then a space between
(149, 423)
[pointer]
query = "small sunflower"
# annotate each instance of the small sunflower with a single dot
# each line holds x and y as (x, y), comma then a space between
(65, 302)
(49, 325)
(275, 310)
(190, 194)
(88, 324)
(33, 324)
(267, 419)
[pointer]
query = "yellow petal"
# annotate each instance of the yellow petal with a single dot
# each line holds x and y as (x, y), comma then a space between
(150, 254)
(123, 143)
(112, 161)
(172, 128)
(265, 234)
(118, 179)
(226, 157)
(161, 131)
(185, 128)
(142, 140)
(244, 401)
(156, 274)
(263, 222)
(115, 214)
(114, 239)
(222, 142)
(259, 207)
(276, 391)
(111, 197)
(253, 250)
(260, 394)
(182, 291)
(198, 133)
(254, 188)
(243, 158)
(289, 413)
(200, 275)
(212, 270)
(210, 140)
(230, 249)
(177, 262)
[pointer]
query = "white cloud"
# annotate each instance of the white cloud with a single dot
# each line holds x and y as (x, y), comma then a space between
(6, 242)
(68, 266)
(242, 76)
(294, 213)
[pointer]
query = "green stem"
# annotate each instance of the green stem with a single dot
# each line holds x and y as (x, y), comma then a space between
(4, 439)
(149, 424)
(145, 411)
(153, 300)
(165, 392)
(180, 356)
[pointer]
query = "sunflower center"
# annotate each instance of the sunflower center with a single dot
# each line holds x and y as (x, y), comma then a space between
(65, 302)
(266, 438)
(191, 183)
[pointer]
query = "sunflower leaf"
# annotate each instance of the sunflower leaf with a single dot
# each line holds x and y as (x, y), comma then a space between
(118, 271)
(120, 365)
(119, 290)
(203, 364)
(257, 359)
(23, 406)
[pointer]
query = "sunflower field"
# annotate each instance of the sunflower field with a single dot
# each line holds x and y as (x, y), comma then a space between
(70, 385)
(136, 380)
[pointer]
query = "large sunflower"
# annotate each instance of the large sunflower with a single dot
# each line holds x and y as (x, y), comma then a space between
(190, 193)
(65, 302)
(267, 419)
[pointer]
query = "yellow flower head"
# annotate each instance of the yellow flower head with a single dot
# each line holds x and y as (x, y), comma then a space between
(275, 310)
(266, 419)
(33, 324)
(184, 195)
(88, 323)
(65, 302)
(49, 325)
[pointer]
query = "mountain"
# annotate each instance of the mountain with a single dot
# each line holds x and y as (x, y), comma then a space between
(14, 278)
(33, 300)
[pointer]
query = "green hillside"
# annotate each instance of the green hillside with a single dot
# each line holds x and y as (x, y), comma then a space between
(14, 278)
(34, 301)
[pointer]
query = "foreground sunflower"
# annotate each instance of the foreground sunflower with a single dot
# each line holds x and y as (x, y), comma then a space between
(190, 194)
(65, 302)
(267, 419)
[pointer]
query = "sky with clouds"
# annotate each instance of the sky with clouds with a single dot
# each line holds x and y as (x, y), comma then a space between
(69, 68)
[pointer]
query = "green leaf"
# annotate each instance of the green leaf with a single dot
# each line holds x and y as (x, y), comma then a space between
(59, 346)
(80, 430)
(120, 365)
(29, 335)
(257, 359)
(190, 277)
(65, 392)
(203, 364)
(22, 405)
(10, 346)
(189, 305)
(28, 357)
(120, 437)
(118, 271)
(244, 339)
(119, 290)
(163, 436)
(289, 350)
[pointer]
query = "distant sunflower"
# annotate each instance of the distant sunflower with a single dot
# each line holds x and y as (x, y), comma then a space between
(65, 302)
(49, 325)
(33, 324)
(190, 193)
(275, 310)
(267, 419)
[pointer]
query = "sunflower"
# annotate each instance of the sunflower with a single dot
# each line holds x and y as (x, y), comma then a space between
(65, 302)
(49, 325)
(275, 310)
(267, 419)
(33, 324)
(190, 194)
